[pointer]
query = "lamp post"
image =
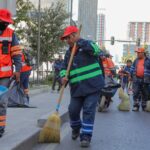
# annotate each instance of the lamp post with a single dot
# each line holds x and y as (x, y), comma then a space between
(71, 2)
(38, 45)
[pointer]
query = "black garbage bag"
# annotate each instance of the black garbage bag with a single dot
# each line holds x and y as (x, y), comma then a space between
(17, 97)
(110, 87)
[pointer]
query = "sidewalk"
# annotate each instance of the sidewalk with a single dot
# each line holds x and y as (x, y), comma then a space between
(22, 122)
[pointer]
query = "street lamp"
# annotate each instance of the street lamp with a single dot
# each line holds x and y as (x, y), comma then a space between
(71, 2)
(38, 45)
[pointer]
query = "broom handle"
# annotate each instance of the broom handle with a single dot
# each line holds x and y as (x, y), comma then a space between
(67, 73)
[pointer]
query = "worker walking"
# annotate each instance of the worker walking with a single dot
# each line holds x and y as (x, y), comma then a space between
(85, 80)
(10, 53)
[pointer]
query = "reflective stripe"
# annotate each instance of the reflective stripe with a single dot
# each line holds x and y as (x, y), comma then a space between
(96, 48)
(89, 125)
(2, 123)
(23, 64)
(86, 76)
(83, 69)
(2, 117)
(88, 131)
(6, 68)
(62, 73)
(5, 38)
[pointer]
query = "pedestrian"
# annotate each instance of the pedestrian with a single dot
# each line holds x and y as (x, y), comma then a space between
(10, 52)
(85, 80)
(140, 74)
(25, 72)
(56, 79)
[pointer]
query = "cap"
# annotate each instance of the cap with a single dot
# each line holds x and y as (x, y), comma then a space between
(5, 16)
(140, 50)
(68, 30)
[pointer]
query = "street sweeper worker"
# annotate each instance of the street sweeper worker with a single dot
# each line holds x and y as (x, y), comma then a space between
(109, 68)
(125, 74)
(140, 73)
(10, 53)
(85, 80)
(25, 71)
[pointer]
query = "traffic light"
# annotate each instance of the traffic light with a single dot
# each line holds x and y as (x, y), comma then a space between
(112, 40)
(138, 42)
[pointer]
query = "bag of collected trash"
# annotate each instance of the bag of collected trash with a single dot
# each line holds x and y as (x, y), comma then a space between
(125, 103)
(3, 96)
(17, 97)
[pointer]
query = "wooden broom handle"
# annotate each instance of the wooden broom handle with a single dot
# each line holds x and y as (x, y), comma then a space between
(67, 72)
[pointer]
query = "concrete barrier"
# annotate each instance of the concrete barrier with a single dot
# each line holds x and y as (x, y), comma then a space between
(31, 138)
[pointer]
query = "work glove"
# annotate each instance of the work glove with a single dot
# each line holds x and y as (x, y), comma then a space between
(64, 81)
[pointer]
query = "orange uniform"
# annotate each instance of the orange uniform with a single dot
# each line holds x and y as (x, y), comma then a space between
(140, 68)
(25, 67)
(108, 65)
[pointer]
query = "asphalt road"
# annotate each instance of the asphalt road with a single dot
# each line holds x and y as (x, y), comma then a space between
(114, 130)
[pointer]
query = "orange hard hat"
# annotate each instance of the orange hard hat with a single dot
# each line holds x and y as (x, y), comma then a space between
(140, 50)
(5, 15)
(68, 30)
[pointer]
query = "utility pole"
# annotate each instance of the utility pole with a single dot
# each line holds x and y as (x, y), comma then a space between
(38, 45)
(71, 4)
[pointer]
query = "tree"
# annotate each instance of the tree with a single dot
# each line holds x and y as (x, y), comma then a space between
(22, 20)
(53, 20)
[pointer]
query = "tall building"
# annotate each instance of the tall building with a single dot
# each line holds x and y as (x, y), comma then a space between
(139, 30)
(100, 29)
(87, 16)
(10, 5)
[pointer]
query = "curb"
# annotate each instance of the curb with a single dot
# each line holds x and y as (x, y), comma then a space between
(31, 139)
(39, 89)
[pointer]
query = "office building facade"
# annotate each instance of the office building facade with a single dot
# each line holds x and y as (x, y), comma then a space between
(139, 30)
(87, 16)
(101, 29)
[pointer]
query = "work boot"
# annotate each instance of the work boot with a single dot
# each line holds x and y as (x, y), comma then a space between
(75, 133)
(1, 132)
(135, 108)
(85, 141)
(143, 107)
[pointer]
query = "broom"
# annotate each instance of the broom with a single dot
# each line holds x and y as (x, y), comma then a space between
(125, 103)
(147, 106)
(51, 130)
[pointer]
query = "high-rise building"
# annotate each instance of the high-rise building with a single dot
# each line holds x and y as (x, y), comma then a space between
(87, 16)
(100, 29)
(139, 30)
(10, 5)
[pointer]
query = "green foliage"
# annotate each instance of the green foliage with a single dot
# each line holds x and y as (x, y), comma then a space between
(22, 17)
(52, 23)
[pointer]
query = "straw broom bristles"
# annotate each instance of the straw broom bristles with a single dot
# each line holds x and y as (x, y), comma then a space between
(125, 103)
(147, 106)
(51, 130)
(120, 92)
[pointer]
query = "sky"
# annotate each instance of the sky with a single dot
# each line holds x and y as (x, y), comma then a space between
(118, 14)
